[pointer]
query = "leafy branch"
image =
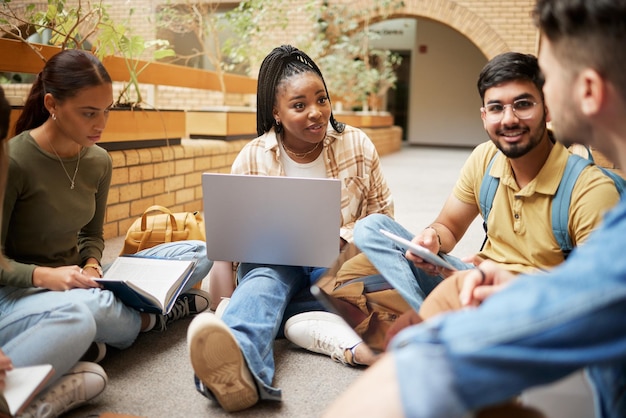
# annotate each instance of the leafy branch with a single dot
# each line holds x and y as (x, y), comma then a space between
(117, 39)
(79, 26)
(341, 44)
(203, 22)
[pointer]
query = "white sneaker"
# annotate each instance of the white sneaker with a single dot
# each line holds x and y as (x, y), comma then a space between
(81, 384)
(324, 333)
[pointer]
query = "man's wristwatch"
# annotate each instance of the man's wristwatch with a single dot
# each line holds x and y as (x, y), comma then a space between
(94, 266)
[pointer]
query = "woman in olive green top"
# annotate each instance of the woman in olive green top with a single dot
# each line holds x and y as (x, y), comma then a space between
(55, 204)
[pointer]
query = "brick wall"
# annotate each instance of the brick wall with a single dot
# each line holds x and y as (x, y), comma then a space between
(494, 26)
(169, 176)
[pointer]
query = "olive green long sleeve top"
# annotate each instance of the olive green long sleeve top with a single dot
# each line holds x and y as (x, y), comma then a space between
(44, 221)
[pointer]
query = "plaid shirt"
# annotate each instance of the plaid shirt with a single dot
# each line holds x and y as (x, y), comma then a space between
(349, 156)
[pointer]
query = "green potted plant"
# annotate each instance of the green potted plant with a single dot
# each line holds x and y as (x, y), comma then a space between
(88, 25)
(83, 25)
(341, 44)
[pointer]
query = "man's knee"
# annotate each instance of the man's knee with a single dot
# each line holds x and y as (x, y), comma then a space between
(444, 297)
(372, 222)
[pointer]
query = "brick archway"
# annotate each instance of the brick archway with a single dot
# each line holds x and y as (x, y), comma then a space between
(459, 18)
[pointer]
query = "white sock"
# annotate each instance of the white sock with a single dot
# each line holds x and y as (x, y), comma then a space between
(353, 351)
(152, 323)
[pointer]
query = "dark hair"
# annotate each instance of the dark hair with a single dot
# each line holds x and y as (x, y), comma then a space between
(63, 76)
(510, 66)
(588, 33)
(5, 113)
(280, 64)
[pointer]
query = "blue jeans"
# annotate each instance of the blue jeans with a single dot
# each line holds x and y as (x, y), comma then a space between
(537, 330)
(116, 324)
(412, 283)
(57, 335)
(255, 314)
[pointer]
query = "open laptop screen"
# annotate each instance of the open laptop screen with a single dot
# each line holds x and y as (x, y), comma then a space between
(272, 220)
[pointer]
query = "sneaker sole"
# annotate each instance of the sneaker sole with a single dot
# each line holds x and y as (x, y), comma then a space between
(217, 361)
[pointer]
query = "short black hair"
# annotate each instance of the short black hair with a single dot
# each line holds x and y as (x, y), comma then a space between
(283, 62)
(510, 66)
(589, 33)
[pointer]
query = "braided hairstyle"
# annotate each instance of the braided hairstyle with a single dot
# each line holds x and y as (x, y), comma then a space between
(63, 76)
(283, 62)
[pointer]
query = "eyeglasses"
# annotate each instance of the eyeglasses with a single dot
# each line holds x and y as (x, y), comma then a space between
(522, 109)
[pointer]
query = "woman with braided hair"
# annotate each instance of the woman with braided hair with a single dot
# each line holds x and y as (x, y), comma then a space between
(232, 355)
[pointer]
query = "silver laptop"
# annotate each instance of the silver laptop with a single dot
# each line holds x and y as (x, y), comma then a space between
(272, 220)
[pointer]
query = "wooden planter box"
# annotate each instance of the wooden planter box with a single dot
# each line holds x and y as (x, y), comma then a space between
(237, 123)
(132, 129)
(141, 128)
(365, 119)
(225, 123)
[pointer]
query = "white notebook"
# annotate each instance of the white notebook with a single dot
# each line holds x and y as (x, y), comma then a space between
(23, 384)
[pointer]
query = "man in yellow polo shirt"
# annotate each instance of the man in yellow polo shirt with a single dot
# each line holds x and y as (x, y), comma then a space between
(529, 165)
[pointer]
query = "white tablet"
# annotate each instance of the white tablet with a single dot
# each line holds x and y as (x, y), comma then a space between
(418, 250)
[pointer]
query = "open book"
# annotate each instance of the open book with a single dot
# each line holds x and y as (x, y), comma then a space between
(147, 284)
(23, 384)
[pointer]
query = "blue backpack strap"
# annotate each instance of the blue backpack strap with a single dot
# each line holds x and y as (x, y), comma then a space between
(562, 199)
(620, 182)
(560, 203)
(488, 188)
